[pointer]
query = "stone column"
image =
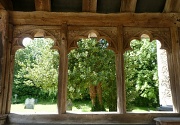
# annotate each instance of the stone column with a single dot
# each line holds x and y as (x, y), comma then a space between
(165, 95)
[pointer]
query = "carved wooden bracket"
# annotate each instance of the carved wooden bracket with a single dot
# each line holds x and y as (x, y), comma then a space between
(21, 32)
(77, 33)
(161, 34)
(17, 44)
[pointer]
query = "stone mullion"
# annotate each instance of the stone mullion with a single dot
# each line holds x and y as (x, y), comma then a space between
(121, 102)
(63, 71)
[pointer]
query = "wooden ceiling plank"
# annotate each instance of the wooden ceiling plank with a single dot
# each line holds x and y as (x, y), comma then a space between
(93, 6)
(89, 6)
(43, 5)
(172, 6)
(85, 6)
(177, 6)
(6, 4)
(168, 6)
(1, 6)
(128, 5)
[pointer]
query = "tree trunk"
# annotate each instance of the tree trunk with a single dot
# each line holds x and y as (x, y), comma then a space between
(99, 93)
(96, 97)
(92, 90)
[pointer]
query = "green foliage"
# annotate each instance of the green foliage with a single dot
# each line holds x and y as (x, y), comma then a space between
(141, 74)
(36, 71)
(91, 63)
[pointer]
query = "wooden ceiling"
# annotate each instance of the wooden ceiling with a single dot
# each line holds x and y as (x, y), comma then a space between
(94, 6)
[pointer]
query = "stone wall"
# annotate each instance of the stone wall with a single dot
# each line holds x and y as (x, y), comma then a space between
(165, 95)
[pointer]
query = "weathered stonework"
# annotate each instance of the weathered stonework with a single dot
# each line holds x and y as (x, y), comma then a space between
(165, 95)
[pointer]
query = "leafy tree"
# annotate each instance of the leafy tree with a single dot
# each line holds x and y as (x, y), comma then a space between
(91, 73)
(36, 70)
(141, 73)
(92, 69)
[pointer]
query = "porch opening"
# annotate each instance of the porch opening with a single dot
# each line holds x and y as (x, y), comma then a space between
(147, 77)
(35, 78)
(92, 77)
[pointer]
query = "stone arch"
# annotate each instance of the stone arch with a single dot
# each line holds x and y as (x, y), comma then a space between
(161, 34)
(87, 34)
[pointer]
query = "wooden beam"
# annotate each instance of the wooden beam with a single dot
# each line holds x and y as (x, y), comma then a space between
(43, 5)
(6, 4)
(172, 6)
(89, 6)
(94, 118)
(128, 5)
(95, 19)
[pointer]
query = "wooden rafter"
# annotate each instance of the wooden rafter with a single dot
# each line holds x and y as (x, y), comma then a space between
(89, 6)
(172, 6)
(6, 4)
(43, 5)
(128, 5)
(1, 6)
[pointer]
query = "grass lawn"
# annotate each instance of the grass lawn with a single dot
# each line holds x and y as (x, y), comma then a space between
(77, 106)
(50, 108)
(38, 109)
(143, 109)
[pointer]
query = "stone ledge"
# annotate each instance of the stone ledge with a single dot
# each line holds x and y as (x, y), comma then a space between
(2, 119)
(167, 120)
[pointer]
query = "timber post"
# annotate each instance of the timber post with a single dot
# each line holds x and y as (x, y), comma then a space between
(63, 71)
(121, 102)
(4, 62)
(173, 65)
